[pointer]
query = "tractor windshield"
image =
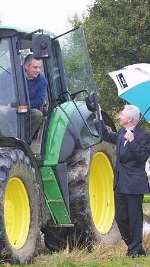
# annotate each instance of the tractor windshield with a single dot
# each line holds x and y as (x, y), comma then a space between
(79, 77)
(8, 116)
(78, 70)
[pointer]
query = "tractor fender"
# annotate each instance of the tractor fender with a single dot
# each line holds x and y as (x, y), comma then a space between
(72, 138)
(63, 134)
(17, 143)
(77, 135)
(67, 132)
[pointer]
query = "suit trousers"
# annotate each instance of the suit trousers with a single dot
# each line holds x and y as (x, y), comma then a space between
(129, 218)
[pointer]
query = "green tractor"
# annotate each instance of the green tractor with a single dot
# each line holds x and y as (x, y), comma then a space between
(60, 184)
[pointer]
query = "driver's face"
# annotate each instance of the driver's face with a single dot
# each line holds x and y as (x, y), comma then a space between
(33, 69)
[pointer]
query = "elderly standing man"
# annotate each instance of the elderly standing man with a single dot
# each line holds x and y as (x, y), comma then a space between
(131, 182)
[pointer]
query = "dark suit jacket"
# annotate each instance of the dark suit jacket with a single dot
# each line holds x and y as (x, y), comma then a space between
(130, 175)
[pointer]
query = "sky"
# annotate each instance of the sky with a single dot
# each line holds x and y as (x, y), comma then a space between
(51, 15)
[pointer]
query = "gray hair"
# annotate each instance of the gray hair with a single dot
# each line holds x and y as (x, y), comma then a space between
(133, 112)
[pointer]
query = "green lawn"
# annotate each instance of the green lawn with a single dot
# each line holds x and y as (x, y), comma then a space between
(119, 262)
(107, 256)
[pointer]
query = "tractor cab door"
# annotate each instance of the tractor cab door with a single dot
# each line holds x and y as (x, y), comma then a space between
(8, 94)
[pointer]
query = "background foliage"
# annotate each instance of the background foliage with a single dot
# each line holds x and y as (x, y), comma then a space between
(117, 34)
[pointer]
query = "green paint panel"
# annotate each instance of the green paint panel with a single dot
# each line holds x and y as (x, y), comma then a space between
(56, 132)
(54, 199)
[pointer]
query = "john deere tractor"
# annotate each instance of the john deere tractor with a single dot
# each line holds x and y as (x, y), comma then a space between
(58, 184)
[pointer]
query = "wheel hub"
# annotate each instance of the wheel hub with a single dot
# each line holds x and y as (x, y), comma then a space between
(16, 212)
(101, 193)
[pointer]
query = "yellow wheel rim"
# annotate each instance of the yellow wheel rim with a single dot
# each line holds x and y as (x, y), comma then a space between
(16, 212)
(101, 192)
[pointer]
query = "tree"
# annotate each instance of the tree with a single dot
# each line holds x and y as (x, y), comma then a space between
(117, 33)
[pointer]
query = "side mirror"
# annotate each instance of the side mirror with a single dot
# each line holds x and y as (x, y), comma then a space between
(41, 46)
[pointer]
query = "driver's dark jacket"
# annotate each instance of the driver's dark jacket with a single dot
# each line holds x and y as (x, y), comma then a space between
(130, 175)
(37, 91)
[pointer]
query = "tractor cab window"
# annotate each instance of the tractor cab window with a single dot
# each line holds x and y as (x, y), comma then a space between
(79, 81)
(8, 116)
(77, 65)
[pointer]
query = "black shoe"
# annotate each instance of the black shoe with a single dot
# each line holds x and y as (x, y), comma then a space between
(135, 254)
(142, 253)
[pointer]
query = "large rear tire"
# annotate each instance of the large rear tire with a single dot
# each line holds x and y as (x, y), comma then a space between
(92, 197)
(19, 207)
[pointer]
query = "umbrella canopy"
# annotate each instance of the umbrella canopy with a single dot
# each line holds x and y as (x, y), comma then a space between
(133, 83)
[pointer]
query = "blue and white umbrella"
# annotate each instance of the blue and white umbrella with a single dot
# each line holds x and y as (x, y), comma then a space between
(133, 83)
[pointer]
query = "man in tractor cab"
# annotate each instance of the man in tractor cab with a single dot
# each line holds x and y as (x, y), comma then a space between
(37, 87)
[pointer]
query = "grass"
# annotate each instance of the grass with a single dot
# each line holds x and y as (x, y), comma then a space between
(101, 256)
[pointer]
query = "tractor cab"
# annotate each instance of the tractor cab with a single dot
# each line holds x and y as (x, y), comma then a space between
(67, 69)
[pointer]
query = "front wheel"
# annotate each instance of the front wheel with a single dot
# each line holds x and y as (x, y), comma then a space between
(19, 200)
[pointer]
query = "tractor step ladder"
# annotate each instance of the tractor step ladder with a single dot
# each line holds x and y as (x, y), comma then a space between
(53, 198)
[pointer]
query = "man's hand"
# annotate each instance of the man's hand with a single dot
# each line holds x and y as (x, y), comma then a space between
(129, 136)
(109, 129)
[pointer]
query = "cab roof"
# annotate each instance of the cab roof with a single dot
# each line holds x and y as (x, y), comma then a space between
(8, 31)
